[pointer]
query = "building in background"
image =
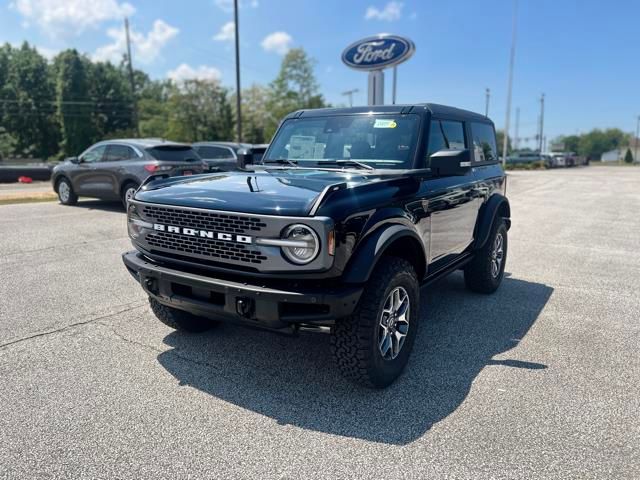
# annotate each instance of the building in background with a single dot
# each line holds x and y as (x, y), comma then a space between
(617, 155)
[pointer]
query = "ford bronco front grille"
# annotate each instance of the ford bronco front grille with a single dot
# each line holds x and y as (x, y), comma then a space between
(207, 248)
(221, 239)
(204, 220)
(215, 249)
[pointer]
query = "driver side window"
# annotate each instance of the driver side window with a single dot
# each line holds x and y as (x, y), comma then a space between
(94, 155)
(445, 135)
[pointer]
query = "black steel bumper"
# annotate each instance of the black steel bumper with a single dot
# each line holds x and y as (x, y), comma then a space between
(241, 302)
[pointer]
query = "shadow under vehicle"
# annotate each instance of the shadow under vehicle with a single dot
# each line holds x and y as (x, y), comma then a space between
(287, 379)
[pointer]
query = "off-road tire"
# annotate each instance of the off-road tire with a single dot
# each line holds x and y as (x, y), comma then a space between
(354, 339)
(478, 276)
(125, 188)
(179, 319)
(70, 198)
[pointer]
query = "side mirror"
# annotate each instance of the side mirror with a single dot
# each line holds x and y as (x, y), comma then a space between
(448, 163)
(74, 159)
(245, 157)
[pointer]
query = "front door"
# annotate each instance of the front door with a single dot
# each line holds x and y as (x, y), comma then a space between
(85, 178)
(452, 202)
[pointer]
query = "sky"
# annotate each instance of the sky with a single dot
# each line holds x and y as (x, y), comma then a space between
(582, 54)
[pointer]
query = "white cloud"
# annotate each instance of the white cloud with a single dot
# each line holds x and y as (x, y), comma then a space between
(227, 33)
(186, 72)
(47, 52)
(64, 16)
(227, 5)
(146, 48)
(278, 42)
(391, 11)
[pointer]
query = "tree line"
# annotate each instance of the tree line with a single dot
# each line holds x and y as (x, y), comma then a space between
(590, 145)
(53, 109)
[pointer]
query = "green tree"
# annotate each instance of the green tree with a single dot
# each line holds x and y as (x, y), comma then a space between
(110, 95)
(628, 157)
(294, 88)
(571, 143)
(255, 114)
(7, 144)
(74, 102)
(199, 110)
(27, 92)
(596, 142)
(500, 141)
(153, 108)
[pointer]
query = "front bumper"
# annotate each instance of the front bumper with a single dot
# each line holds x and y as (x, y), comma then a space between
(238, 301)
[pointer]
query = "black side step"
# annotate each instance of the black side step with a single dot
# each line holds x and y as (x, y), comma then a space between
(444, 271)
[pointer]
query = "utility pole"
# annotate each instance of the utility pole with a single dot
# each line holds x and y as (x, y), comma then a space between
(486, 104)
(516, 138)
(637, 159)
(349, 93)
(131, 80)
(541, 123)
(238, 99)
(512, 58)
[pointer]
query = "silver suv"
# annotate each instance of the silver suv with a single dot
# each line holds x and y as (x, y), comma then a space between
(114, 169)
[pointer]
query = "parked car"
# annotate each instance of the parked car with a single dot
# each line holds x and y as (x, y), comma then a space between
(558, 159)
(223, 156)
(114, 169)
(517, 158)
(348, 214)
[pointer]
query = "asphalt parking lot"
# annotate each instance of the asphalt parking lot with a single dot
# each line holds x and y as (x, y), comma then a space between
(540, 380)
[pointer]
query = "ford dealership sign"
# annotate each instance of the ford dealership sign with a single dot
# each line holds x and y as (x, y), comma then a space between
(376, 53)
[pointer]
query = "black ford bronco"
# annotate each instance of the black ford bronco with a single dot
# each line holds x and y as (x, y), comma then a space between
(348, 214)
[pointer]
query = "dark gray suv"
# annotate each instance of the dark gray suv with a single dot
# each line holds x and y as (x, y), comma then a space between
(114, 169)
(223, 156)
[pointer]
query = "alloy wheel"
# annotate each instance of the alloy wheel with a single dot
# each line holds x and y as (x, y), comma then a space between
(64, 191)
(497, 255)
(394, 323)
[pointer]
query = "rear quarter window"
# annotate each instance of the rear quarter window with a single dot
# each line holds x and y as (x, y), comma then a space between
(484, 142)
(174, 153)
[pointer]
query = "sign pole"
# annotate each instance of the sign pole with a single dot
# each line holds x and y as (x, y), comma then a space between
(376, 87)
(395, 82)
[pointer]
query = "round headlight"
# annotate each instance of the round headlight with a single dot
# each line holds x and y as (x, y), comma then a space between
(303, 244)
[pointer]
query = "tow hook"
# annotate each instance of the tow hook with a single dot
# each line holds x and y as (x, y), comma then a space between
(151, 285)
(244, 307)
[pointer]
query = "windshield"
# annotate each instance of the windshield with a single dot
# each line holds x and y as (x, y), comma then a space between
(378, 141)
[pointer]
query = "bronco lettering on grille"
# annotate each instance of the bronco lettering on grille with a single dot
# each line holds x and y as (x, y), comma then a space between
(193, 232)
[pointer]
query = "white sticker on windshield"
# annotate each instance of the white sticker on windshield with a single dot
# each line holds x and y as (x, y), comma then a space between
(384, 123)
(301, 146)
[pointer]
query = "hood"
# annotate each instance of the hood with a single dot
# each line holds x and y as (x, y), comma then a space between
(289, 192)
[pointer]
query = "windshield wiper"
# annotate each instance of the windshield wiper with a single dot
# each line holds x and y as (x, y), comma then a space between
(353, 163)
(281, 161)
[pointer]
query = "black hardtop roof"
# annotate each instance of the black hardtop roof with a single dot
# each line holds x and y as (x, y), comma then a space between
(433, 108)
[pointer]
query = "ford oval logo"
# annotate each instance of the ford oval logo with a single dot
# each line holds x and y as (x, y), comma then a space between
(376, 53)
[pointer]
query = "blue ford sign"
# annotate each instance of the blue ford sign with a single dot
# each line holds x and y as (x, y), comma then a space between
(378, 52)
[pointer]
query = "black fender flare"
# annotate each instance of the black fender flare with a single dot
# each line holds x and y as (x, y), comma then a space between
(372, 248)
(497, 205)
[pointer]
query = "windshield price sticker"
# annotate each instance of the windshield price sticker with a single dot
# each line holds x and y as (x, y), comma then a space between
(301, 146)
(384, 123)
